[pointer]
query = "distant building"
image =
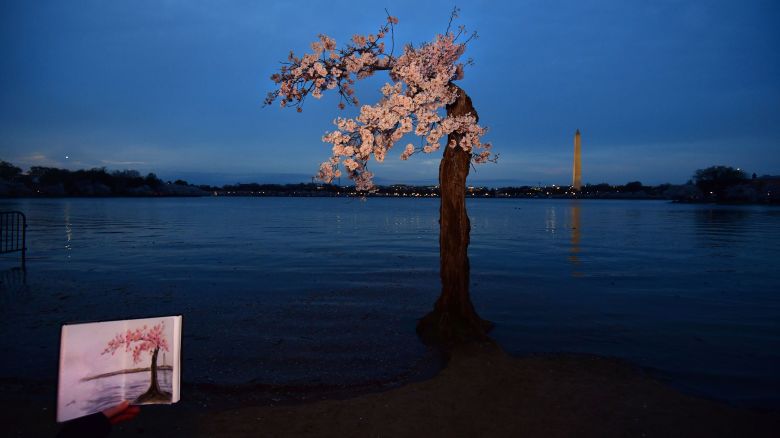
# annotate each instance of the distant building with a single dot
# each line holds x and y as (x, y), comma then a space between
(576, 182)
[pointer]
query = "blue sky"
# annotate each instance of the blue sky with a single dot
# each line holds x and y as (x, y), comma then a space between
(658, 88)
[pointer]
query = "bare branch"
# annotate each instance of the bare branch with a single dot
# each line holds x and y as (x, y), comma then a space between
(453, 16)
(392, 32)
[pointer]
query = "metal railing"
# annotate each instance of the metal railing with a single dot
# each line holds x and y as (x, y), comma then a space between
(13, 233)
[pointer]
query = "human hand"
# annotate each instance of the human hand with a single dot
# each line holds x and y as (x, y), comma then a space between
(121, 412)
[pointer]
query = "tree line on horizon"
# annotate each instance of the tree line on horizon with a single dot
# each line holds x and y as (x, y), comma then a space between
(713, 184)
(52, 181)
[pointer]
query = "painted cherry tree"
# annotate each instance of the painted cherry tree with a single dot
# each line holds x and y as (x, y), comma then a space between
(421, 99)
(141, 341)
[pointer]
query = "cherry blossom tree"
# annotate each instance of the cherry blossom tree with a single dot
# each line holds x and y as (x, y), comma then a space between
(139, 341)
(421, 99)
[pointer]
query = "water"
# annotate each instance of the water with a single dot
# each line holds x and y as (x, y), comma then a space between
(111, 390)
(321, 291)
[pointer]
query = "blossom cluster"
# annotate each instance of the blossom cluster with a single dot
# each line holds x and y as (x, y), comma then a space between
(422, 85)
(327, 68)
(140, 340)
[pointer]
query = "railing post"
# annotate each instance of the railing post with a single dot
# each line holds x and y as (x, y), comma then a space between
(24, 240)
(13, 233)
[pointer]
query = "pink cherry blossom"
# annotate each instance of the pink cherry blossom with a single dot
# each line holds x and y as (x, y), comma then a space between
(420, 88)
(138, 341)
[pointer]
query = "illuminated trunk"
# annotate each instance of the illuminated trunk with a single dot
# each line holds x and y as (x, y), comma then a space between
(453, 318)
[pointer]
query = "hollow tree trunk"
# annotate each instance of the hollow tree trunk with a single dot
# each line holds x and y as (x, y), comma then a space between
(453, 318)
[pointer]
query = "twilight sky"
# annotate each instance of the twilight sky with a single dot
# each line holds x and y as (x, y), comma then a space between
(658, 88)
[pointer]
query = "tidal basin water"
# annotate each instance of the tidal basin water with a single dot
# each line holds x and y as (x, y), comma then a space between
(322, 291)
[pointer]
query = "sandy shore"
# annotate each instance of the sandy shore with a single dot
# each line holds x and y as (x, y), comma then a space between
(481, 392)
(484, 392)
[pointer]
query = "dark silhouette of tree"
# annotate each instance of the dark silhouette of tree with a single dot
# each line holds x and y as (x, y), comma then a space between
(602, 187)
(8, 171)
(152, 181)
(714, 181)
(633, 186)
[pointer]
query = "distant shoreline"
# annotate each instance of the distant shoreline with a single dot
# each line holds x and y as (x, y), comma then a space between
(713, 184)
(128, 371)
(609, 197)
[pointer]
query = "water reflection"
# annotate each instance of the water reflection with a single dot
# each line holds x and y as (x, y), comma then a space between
(13, 282)
(550, 220)
(721, 221)
(723, 231)
(113, 389)
(657, 256)
(574, 226)
(164, 374)
(68, 230)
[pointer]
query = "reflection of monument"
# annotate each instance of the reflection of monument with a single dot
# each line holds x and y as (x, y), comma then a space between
(574, 250)
(576, 182)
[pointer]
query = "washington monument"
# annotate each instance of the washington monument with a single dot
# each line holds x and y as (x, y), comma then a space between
(576, 179)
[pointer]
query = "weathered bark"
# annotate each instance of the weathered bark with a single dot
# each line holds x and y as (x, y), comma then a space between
(154, 393)
(453, 318)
